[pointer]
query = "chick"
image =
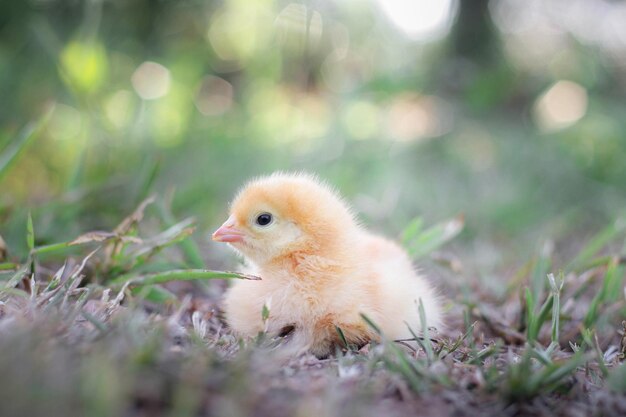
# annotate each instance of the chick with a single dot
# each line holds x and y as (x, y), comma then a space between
(320, 269)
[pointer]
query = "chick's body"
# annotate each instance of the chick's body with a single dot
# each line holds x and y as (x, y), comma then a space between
(320, 269)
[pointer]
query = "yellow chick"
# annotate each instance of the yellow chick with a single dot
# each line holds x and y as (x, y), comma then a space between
(320, 269)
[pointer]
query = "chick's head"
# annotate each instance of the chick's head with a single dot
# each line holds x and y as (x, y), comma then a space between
(285, 213)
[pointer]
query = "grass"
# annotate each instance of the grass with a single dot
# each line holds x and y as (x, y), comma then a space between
(103, 315)
(111, 332)
(19, 144)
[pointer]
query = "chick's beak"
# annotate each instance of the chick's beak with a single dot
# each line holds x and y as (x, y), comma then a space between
(228, 232)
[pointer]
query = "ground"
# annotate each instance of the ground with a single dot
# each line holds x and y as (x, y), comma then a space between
(76, 341)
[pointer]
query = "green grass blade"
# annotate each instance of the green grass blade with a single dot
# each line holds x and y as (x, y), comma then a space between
(418, 340)
(540, 270)
(189, 246)
(149, 171)
(539, 319)
(470, 328)
(30, 233)
(599, 241)
(552, 376)
(421, 243)
(410, 370)
(265, 312)
(180, 275)
(556, 305)
(542, 356)
(102, 327)
(8, 266)
(53, 247)
(613, 281)
(342, 337)
(371, 323)
(603, 295)
(415, 227)
(617, 379)
(30, 132)
(150, 247)
(460, 340)
(85, 238)
(483, 354)
(425, 333)
(154, 293)
(529, 304)
(16, 278)
(600, 357)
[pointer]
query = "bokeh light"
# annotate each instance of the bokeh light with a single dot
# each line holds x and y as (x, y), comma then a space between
(151, 80)
(362, 120)
(84, 65)
(119, 108)
(67, 124)
(560, 106)
(170, 117)
(421, 19)
(214, 96)
(299, 28)
(412, 117)
(239, 31)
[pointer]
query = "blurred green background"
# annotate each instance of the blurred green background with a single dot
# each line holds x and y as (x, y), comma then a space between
(512, 112)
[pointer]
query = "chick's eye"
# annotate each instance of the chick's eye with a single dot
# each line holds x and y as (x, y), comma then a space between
(264, 219)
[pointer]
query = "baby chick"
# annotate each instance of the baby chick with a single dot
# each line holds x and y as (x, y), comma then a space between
(320, 269)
